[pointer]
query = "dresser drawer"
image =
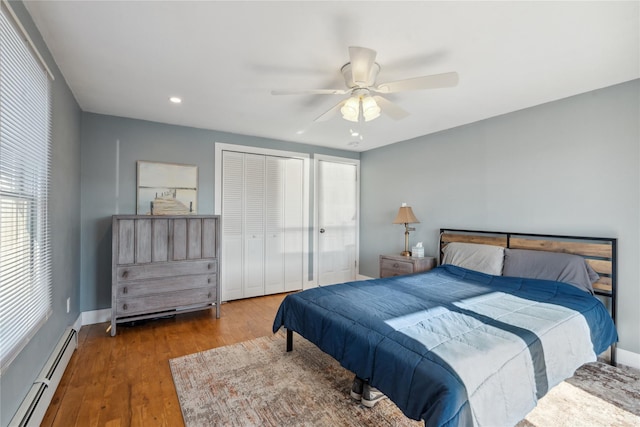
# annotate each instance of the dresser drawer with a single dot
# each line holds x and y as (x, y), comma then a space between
(178, 268)
(394, 267)
(136, 288)
(169, 300)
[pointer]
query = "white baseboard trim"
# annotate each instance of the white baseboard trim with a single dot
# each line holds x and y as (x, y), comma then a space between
(628, 358)
(34, 406)
(309, 284)
(362, 277)
(78, 323)
(96, 316)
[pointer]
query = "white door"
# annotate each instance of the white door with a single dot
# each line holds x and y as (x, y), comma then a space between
(336, 231)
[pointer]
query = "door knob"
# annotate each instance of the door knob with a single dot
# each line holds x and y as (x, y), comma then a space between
(322, 230)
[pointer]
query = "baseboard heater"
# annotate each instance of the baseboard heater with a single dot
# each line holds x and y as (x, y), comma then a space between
(35, 404)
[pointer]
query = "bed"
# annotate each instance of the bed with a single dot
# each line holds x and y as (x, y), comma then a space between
(466, 346)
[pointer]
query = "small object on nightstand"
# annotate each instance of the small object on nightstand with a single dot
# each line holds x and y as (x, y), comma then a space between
(418, 250)
(396, 265)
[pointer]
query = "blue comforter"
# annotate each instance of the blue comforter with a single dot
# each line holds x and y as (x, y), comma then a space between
(453, 346)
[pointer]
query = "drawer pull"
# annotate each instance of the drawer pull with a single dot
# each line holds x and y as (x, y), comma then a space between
(208, 279)
(125, 290)
(396, 265)
(125, 273)
(209, 266)
(209, 295)
(125, 306)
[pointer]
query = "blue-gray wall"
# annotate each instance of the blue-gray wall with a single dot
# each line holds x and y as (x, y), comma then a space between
(110, 148)
(64, 211)
(568, 167)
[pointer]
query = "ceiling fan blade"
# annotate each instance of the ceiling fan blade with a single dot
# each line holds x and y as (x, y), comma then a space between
(310, 92)
(390, 109)
(434, 81)
(330, 113)
(362, 60)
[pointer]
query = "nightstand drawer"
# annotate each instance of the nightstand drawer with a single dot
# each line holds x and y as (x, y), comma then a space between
(395, 267)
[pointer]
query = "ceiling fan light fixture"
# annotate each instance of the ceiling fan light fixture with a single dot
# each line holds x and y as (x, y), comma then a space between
(370, 109)
(360, 77)
(350, 109)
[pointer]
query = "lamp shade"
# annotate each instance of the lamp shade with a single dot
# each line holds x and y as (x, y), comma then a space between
(405, 216)
(370, 110)
(351, 109)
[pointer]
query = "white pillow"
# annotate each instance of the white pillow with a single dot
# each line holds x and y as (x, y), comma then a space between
(487, 259)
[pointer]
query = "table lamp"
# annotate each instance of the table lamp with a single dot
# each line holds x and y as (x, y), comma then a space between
(405, 216)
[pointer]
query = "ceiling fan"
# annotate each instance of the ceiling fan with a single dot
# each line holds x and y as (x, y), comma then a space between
(364, 103)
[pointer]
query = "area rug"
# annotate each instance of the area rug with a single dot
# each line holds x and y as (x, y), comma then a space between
(256, 383)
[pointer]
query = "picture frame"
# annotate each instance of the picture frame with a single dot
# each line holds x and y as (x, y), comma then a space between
(166, 188)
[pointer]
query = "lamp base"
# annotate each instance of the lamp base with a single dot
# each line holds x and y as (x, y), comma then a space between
(405, 253)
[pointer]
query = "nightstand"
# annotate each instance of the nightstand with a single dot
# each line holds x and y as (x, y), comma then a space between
(396, 265)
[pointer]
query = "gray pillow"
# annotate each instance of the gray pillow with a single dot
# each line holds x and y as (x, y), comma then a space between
(487, 259)
(571, 269)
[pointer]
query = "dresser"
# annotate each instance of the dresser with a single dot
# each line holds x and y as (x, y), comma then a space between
(163, 265)
(396, 265)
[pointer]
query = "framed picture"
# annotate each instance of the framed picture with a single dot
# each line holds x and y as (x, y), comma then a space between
(167, 189)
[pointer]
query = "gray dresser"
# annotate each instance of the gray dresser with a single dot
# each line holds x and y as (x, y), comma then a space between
(164, 265)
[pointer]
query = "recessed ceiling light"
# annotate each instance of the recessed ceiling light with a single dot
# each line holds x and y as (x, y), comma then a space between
(175, 100)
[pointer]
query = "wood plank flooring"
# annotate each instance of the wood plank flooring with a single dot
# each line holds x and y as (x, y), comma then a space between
(126, 381)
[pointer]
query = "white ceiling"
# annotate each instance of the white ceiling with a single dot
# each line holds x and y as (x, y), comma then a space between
(126, 58)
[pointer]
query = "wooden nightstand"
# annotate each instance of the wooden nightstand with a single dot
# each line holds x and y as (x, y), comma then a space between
(396, 265)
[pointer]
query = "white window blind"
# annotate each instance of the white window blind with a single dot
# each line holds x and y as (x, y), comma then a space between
(25, 159)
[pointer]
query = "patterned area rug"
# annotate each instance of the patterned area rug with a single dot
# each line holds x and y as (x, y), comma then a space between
(256, 383)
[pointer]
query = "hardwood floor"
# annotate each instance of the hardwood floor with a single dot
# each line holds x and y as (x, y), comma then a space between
(126, 381)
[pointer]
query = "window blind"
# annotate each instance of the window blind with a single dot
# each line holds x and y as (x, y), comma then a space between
(25, 164)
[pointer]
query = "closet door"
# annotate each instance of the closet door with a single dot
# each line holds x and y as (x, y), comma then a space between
(232, 225)
(275, 226)
(254, 225)
(293, 224)
(262, 222)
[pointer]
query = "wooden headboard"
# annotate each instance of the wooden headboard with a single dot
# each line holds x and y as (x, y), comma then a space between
(599, 252)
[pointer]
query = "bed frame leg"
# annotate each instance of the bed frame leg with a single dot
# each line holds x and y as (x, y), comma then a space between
(289, 340)
(612, 357)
